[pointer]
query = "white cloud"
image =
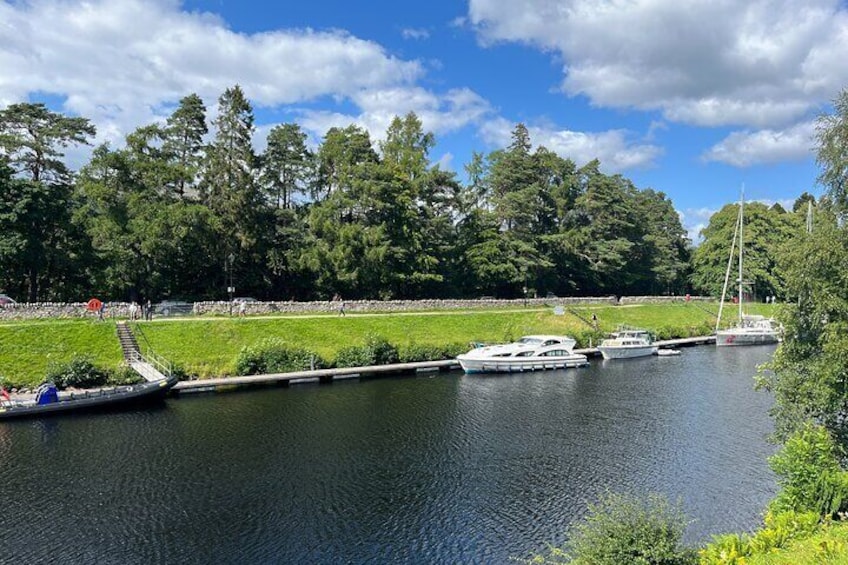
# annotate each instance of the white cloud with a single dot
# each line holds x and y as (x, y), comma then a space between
(414, 33)
(694, 220)
(761, 63)
(123, 63)
(438, 113)
(445, 162)
(613, 148)
(746, 148)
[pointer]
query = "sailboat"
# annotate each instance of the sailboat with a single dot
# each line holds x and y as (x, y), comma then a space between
(749, 329)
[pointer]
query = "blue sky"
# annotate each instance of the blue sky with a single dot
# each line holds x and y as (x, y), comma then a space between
(691, 98)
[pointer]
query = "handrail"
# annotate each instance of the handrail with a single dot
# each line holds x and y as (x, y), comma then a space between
(160, 363)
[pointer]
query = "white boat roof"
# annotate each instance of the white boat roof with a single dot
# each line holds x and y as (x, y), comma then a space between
(545, 337)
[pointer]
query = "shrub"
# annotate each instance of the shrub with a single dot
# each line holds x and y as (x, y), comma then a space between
(809, 474)
(375, 351)
(726, 549)
(624, 529)
(779, 532)
(783, 528)
(275, 356)
(123, 376)
(79, 372)
(415, 352)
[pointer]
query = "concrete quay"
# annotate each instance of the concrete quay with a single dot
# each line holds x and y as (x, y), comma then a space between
(329, 375)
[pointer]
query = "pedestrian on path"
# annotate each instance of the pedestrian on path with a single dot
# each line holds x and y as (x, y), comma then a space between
(338, 298)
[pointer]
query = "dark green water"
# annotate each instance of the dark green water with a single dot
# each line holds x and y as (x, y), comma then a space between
(442, 469)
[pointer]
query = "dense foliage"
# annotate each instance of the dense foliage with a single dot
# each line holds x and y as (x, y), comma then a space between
(273, 355)
(625, 529)
(174, 213)
(82, 372)
(809, 374)
(766, 230)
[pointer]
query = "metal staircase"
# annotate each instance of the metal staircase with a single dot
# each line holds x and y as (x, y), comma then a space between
(129, 346)
(150, 366)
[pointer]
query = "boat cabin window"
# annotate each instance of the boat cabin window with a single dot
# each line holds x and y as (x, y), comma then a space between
(530, 340)
(551, 342)
(524, 353)
(556, 353)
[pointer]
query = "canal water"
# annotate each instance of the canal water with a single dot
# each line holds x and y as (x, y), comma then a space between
(443, 468)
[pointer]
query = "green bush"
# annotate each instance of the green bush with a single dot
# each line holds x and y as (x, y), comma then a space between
(726, 549)
(375, 351)
(779, 532)
(623, 529)
(79, 372)
(275, 356)
(123, 376)
(416, 352)
(809, 474)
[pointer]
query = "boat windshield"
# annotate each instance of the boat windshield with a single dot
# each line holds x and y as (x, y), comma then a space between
(530, 340)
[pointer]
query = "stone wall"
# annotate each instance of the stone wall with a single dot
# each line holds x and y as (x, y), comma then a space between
(664, 299)
(37, 310)
(326, 306)
(121, 309)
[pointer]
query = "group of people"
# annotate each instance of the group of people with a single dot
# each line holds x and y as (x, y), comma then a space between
(139, 312)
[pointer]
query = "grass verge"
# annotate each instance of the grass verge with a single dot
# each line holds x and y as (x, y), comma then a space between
(208, 346)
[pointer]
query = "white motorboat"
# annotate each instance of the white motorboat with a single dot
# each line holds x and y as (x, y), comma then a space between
(628, 343)
(530, 353)
(749, 329)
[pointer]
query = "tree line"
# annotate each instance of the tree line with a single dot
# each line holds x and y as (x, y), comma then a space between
(182, 212)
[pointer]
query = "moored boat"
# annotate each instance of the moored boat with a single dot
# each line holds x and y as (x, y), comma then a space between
(628, 343)
(753, 330)
(530, 353)
(749, 329)
(49, 401)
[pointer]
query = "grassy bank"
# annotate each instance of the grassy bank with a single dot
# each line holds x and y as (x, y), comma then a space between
(208, 346)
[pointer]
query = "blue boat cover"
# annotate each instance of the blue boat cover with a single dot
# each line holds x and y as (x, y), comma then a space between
(47, 393)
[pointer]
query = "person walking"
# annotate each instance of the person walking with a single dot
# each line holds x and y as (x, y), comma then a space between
(338, 298)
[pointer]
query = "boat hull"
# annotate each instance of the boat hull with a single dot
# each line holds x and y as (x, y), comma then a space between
(521, 364)
(740, 337)
(90, 401)
(627, 352)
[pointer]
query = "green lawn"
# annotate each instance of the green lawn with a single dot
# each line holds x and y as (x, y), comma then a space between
(28, 348)
(208, 346)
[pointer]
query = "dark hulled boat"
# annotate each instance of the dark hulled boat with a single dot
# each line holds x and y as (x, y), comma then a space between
(48, 401)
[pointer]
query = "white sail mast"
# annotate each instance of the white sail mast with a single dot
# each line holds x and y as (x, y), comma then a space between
(741, 221)
(727, 272)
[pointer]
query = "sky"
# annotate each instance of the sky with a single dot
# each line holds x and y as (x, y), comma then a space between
(691, 98)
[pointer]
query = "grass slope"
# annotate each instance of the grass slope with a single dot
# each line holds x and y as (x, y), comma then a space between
(28, 348)
(208, 346)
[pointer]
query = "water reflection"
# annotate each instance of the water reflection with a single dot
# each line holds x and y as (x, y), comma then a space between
(451, 469)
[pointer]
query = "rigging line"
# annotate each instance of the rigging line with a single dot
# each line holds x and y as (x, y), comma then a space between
(727, 272)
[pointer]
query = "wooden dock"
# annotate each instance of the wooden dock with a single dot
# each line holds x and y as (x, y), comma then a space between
(319, 375)
(329, 375)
